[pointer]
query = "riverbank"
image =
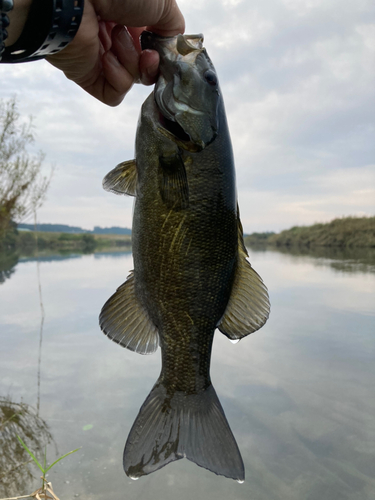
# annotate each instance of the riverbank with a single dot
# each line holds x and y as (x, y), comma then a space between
(26, 242)
(345, 232)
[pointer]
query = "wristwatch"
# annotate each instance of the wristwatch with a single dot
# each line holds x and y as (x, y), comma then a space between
(50, 26)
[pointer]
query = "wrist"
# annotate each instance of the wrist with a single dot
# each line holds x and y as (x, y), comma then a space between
(17, 18)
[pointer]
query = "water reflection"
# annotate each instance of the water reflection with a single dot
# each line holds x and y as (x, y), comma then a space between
(299, 395)
(349, 260)
(8, 262)
(22, 420)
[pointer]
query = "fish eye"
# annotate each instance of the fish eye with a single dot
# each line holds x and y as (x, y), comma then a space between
(210, 77)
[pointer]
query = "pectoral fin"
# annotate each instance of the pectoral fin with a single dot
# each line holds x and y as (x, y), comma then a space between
(173, 182)
(125, 321)
(248, 307)
(122, 179)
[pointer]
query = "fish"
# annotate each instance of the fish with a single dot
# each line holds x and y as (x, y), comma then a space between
(191, 271)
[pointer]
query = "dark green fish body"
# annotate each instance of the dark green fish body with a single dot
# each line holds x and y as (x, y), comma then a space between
(194, 251)
(190, 274)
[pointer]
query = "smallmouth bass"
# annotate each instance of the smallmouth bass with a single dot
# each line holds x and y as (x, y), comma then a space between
(191, 274)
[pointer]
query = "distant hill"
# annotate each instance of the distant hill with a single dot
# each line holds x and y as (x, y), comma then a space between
(63, 228)
(111, 230)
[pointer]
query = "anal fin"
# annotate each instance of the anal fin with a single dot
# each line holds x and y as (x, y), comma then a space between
(124, 320)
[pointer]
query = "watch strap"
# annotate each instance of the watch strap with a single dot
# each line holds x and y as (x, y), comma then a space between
(50, 26)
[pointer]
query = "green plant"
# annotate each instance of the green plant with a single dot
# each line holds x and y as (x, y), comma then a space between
(46, 488)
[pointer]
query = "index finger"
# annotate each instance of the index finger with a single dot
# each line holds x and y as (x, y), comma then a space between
(161, 16)
(171, 23)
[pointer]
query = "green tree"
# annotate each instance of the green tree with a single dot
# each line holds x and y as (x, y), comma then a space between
(22, 186)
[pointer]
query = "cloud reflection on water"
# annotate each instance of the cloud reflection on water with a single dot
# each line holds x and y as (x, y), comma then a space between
(298, 394)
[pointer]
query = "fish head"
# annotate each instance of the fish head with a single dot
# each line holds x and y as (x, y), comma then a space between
(187, 91)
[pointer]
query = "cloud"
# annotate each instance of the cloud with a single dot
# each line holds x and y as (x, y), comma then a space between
(320, 198)
(297, 81)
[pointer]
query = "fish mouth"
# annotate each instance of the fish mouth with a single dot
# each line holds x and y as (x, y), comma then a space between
(181, 44)
(179, 87)
(152, 41)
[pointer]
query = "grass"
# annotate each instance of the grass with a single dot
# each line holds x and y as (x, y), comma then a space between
(113, 240)
(46, 490)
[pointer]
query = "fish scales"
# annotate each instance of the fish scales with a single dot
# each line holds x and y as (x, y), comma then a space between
(186, 292)
(190, 269)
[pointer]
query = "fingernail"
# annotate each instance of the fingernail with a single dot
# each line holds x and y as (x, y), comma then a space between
(126, 39)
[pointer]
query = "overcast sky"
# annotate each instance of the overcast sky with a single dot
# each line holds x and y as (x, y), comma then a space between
(298, 79)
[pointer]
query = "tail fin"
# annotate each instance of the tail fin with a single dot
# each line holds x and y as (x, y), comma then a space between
(171, 427)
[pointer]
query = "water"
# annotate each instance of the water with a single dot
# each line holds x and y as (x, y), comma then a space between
(299, 394)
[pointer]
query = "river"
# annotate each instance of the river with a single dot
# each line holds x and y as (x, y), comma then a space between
(299, 394)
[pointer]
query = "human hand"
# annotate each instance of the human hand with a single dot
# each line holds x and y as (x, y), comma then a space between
(105, 57)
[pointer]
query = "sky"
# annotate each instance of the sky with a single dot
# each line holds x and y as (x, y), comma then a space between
(298, 80)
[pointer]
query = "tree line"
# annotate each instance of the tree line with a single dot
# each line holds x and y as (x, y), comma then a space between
(343, 232)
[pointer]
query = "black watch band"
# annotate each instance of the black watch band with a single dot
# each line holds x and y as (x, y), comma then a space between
(50, 26)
